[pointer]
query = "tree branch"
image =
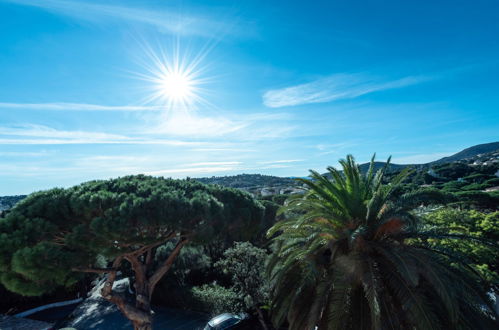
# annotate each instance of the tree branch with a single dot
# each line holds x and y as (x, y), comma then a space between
(163, 269)
(143, 249)
(106, 291)
(130, 311)
(95, 270)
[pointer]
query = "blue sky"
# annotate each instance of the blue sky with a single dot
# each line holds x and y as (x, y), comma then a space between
(275, 87)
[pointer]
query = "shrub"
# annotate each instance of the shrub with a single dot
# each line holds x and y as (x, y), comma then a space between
(216, 299)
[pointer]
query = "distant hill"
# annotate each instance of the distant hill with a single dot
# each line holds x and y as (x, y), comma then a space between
(259, 184)
(248, 181)
(377, 165)
(6, 202)
(470, 153)
(466, 154)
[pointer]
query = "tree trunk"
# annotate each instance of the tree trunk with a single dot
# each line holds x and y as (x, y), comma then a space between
(141, 326)
(261, 318)
(142, 297)
(141, 319)
(140, 315)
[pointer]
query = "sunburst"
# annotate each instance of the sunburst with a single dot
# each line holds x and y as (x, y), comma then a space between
(176, 79)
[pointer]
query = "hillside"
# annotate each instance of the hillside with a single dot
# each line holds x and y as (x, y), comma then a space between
(6, 202)
(248, 180)
(377, 165)
(480, 152)
(472, 161)
(470, 152)
(256, 184)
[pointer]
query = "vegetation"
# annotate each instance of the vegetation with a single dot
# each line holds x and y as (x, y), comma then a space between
(245, 263)
(366, 247)
(352, 255)
(216, 299)
(7, 202)
(248, 181)
(471, 152)
(482, 257)
(53, 236)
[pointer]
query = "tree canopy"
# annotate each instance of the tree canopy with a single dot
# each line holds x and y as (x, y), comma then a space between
(351, 254)
(51, 237)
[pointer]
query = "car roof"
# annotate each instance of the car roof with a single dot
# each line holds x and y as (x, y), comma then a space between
(221, 318)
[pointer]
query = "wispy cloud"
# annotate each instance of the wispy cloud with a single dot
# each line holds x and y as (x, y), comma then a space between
(200, 170)
(194, 125)
(282, 161)
(164, 20)
(217, 125)
(38, 134)
(334, 148)
(21, 154)
(334, 87)
(214, 163)
(62, 106)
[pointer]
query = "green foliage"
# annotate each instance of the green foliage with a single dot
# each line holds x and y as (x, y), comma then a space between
(478, 199)
(245, 264)
(454, 171)
(7, 202)
(193, 267)
(217, 299)
(190, 260)
(248, 181)
(483, 226)
(492, 182)
(478, 177)
(475, 186)
(453, 186)
(49, 234)
(352, 255)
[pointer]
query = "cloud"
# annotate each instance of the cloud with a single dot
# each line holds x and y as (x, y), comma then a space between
(215, 163)
(283, 161)
(62, 106)
(193, 125)
(238, 127)
(334, 87)
(164, 20)
(334, 148)
(38, 134)
(24, 154)
(200, 170)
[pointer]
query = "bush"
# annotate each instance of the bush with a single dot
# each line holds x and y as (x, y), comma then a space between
(453, 186)
(216, 299)
(478, 199)
(485, 226)
(477, 177)
(475, 186)
(245, 263)
(493, 182)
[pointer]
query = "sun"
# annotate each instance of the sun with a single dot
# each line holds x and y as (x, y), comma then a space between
(175, 78)
(177, 87)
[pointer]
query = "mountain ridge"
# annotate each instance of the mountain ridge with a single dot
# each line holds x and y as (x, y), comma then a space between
(257, 182)
(464, 154)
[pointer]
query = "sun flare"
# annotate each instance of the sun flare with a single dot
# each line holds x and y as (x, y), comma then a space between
(177, 86)
(175, 78)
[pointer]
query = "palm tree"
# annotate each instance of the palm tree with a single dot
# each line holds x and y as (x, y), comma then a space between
(349, 255)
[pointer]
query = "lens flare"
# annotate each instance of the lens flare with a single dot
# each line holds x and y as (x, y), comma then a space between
(177, 86)
(175, 79)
